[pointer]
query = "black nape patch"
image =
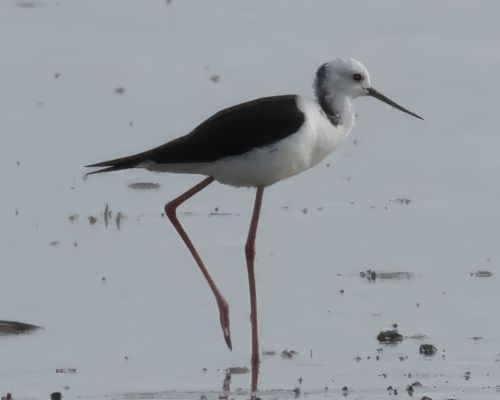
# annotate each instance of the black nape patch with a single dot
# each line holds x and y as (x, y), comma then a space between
(321, 95)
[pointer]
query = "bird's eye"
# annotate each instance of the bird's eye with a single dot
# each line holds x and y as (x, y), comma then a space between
(357, 77)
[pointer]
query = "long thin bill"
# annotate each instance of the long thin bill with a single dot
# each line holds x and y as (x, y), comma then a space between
(380, 96)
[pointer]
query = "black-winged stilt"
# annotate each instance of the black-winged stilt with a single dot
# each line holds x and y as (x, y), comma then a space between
(256, 144)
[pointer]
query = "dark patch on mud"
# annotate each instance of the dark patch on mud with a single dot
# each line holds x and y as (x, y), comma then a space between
(238, 370)
(390, 337)
(288, 353)
(401, 201)
(30, 4)
(144, 185)
(15, 328)
(482, 274)
(427, 349)
(395, 275)
(215, 78)
(217, 213)
(372, 275)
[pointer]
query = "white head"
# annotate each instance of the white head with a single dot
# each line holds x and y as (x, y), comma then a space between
(347, 78)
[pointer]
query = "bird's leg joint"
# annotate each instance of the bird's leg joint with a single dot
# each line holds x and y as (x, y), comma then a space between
(170, 210)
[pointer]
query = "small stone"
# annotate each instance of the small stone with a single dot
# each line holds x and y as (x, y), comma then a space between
(391, 336)
(427, 349)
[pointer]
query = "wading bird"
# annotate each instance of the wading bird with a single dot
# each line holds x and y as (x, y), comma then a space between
(256, 144)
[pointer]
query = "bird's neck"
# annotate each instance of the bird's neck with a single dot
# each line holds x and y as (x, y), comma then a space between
(337, 108)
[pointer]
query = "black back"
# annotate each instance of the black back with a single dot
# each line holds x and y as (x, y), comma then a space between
(230, 132)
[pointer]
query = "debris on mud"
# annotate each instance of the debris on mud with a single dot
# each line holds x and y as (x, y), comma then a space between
(118, 219)
(14, 327)
(144, 185)
(401, 201)
(215, 78)
(418, 336)
(55, 242)
(226, 383)
(237, 370)
(269, 353)
(395, 275)
(467, 375)
(482, 274)
(410, 390)
(217, 213)
(288, 353)
(55, 396)
(120, 91)
(65, 370)
(390, 337)
(392, 390)
(73, 218)
(425, 398)
(30, 4)
(369, 274)
(427, 349)
(107, 215)
(8, 396)
(92, 220)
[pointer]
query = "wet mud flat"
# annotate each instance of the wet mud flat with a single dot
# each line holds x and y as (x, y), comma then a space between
(420, 393)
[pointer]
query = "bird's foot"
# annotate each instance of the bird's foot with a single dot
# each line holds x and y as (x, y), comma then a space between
(224, 322)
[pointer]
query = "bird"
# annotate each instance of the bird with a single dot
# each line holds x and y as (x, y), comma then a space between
(256, 144)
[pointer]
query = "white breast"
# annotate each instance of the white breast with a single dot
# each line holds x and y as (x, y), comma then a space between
(316, 138)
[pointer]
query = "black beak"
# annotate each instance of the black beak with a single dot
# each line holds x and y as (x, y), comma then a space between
(380, 96)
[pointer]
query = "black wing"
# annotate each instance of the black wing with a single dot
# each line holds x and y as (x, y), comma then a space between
(230, 132)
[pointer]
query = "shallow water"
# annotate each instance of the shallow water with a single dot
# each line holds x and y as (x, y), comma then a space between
(125, 309)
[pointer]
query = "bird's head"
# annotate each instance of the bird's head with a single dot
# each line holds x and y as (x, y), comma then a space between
(347, 77)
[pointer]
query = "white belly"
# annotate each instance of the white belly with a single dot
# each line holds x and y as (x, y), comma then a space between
(264, 166)
(316, 139)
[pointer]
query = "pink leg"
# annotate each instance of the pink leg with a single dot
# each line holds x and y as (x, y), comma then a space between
(250, 256)
(170, 209)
